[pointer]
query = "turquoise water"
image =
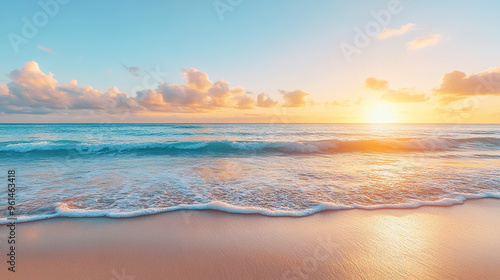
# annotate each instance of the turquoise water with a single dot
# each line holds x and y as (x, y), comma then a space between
(122, 170)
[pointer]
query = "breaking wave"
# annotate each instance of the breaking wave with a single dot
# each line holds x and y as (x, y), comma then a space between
(228, 147)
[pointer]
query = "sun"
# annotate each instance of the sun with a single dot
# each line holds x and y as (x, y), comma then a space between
(382, 113)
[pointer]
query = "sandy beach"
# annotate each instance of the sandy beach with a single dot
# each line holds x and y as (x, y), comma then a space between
(457, 242)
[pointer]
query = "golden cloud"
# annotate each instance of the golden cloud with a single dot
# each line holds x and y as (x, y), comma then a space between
(424, 42)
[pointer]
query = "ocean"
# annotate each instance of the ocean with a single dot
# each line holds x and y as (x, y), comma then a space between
(125, 170)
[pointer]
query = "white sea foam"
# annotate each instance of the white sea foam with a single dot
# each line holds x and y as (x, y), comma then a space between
(64, 211)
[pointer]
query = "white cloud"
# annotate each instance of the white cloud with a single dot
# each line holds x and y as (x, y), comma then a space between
(386, 32)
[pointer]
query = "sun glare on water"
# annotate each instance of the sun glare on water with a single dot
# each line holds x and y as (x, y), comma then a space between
(382, 113)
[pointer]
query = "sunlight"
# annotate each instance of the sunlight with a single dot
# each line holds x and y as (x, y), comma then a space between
(382, 113)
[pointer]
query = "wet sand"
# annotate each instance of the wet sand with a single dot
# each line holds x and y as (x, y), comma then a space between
(458, 242)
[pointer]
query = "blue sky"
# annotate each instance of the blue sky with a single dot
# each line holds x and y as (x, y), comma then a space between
(262, 46)
(253, 41)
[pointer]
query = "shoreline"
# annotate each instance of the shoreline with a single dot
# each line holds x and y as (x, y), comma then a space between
(428, 242)
(212, 207)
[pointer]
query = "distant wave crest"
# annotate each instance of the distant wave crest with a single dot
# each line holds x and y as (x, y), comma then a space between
(228, 147)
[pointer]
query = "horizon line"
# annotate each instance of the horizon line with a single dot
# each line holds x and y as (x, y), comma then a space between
(240, 123)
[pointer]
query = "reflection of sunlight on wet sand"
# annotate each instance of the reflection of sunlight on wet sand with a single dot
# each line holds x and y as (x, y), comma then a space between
(401, 243)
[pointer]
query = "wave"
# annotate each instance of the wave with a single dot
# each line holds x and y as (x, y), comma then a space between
(63, 210)
(187, 126)
(229, 147)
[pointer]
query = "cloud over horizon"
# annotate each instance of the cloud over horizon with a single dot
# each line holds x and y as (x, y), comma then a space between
(457, 85)
(33, 92)
(404, 95)
(263, 100)
(294, 98)
(401, 95)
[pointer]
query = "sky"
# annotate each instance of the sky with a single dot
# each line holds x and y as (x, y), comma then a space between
(250, 61)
